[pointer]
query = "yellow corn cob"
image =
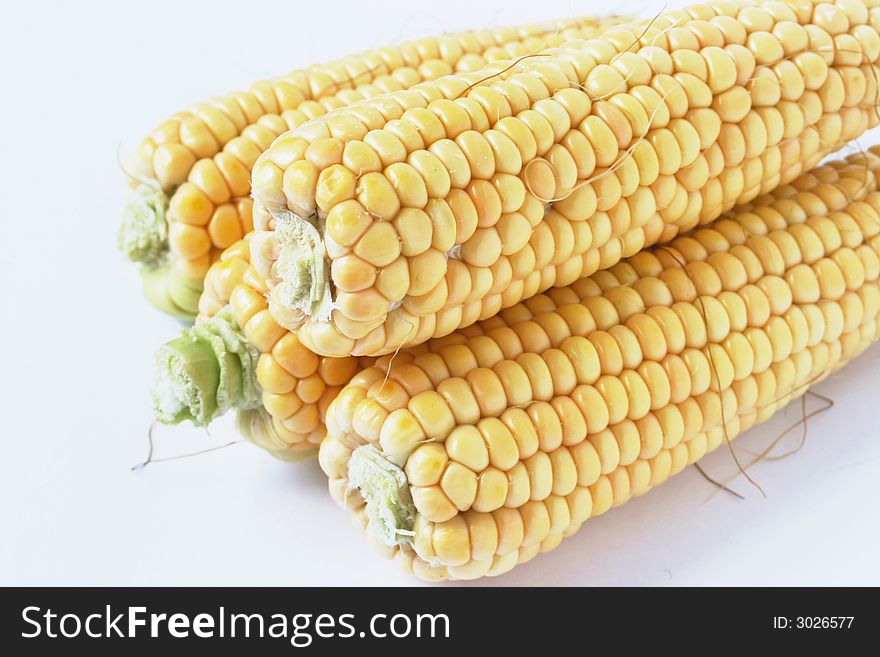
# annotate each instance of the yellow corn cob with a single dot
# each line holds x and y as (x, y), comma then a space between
(194, 169)
(413, 214)
(471, 460)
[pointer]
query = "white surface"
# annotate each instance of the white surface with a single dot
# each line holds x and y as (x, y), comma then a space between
(79, 80)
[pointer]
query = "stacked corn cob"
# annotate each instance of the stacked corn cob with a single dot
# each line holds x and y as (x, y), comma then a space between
(191, 176)
(422, 219)
(470, 460)
(407, 216)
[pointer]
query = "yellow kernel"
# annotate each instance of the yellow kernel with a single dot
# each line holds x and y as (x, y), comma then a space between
(465, 445)
(401, 433)
(459, 483)
(433, 414)
(379, 245)
(415, 231)
(377, 196)
(409, 185)
(492, 489)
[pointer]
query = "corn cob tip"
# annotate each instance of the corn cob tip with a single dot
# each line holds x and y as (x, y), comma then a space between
(208, 370)
(384, 486)
(304, 289)
(255, 424)
(143, 236)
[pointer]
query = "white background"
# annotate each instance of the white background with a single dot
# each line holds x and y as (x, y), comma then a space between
(79, 81)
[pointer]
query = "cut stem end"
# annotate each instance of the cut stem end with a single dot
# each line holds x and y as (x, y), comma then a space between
(302, 265)
(385, 489)
(143, 235)
(208, 370)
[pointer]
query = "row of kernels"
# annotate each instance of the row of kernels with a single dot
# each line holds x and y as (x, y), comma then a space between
(569, 90)
(204, 129)
(223, 277)
(200, 132)
(456, 475)
(207, 227)
(215, 196)
(698, 78)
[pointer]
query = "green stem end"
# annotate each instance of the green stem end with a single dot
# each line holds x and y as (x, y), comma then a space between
(383, 485)
(143, 236)
(304, 291)
(208, 370)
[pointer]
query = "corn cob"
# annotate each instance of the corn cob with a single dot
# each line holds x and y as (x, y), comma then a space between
(194, 169)
(469, 461)
(410, 215)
